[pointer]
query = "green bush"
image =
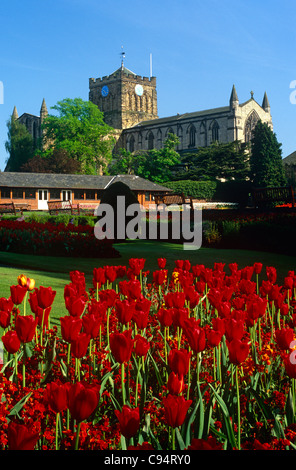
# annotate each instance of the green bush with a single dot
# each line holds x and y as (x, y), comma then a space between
(195, 189)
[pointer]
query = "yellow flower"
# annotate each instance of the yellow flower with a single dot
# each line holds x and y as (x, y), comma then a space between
(30, 284)
(22, 280)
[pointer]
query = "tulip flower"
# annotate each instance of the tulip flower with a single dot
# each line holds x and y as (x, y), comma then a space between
(91, 324)
(20, 437)
(165, 316)
(5, 318)
(178, 360)
(129, 420)
(45, 296)
(18, 293)
(161, 263)
(205, 444)
(99, 277)
(195, 335)
(22, 280)
(83, 399)
(56, 396)
(238, 351)
(11, 341)
(121, 345)
(175, 410)
(75, 305)
(142, 346)
(124, 310)
(79, 345)
(25, 327)
(284, 338)
(175, 383)
(70, 328)
(136, 265)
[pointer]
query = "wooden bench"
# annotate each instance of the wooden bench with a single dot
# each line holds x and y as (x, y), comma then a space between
(87, 208)
(263, 196)
(9, 208)
(173, 198)
(56, 207)
(22, 206)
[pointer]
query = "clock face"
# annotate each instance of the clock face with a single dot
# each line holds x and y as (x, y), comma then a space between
(139, 90)
(105, 91)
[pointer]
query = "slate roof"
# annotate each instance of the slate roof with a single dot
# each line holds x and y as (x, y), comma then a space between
(290, 159)
(65, 181)
(180, 117)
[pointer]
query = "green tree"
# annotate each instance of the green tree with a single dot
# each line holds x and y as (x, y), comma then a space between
(228, 161)
(19, 145)
(266, 158)
(79, 128)
(57, 162)
(154, 165)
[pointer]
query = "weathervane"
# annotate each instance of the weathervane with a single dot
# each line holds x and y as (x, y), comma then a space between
(122, 57)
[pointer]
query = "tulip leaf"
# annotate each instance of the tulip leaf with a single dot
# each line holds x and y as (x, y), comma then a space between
(19, 405)
(228, 424)
(180, 439)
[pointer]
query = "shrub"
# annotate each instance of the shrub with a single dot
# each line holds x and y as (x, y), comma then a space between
(195, 189)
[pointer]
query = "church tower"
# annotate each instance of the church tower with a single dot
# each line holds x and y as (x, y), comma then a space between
(124, 97)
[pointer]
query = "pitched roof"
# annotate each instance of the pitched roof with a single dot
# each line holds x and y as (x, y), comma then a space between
(181, 117)
(65, 181)
(290, 159)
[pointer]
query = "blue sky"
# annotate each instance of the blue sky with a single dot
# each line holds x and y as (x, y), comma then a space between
(199, 50)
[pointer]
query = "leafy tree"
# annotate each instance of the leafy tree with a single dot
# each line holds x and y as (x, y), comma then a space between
(266, 158)
(57, 162)
(226, 161)
(19, 145)
(154, 165)
(80, 129)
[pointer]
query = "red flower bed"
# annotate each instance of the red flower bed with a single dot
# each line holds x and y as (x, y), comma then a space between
(48, 239)
(197, 359)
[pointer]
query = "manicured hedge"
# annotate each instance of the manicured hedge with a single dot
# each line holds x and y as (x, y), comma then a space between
(216, 191)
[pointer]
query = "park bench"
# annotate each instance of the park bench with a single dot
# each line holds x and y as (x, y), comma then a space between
(173, 198)
(22, 206)
(9, 208)
(57, 207)
(264, 196)
(87, 208)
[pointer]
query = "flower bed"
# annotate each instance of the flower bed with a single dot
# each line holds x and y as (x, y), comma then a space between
(200, 358)
(48, 238)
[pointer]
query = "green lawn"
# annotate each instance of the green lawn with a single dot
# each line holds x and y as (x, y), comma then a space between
(54, 271)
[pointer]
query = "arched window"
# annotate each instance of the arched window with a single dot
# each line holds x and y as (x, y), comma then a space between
(132, 144)
(250, 126)
(215, 132)
(203, 134)
(150, 139)
(192, 135)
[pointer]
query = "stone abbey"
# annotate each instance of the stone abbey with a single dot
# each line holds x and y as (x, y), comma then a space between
(129, 104)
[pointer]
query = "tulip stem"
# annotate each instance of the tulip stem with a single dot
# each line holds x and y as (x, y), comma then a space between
(57, 427)
(122, 383)
(77, 436)
(238, 410)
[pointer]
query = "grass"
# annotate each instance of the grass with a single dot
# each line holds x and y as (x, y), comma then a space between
(54, 271)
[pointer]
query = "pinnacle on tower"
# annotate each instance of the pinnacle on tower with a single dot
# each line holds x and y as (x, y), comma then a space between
(15, 113)
(265, 103)
(233, 97)
(43, 111)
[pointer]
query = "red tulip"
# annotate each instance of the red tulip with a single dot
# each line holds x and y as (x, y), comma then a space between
(25, 327)
(56, 396)
(165, 316)
(238, 351)
(45, 296)
(284, 338)
(205, 444)
(214, 337)
(178, 360)
(109, 296)
(83, 398)
(6, 305)
(175, 299)
(257, 268)
(129, 420)
(124, 310)
(195, 335)
(142, 346)
(136, 265)
(175, 409)
(91, 324)
(70, 328)
(141, 319)
(121, 345)
(161, 263)
(11, 341)
(271, 274)
(234, 329)
(80, 344)
(99, 277)
(175, 384)
(5, 319)
(75, 305)
(17, 294)
(20, 437)
(110, 273)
